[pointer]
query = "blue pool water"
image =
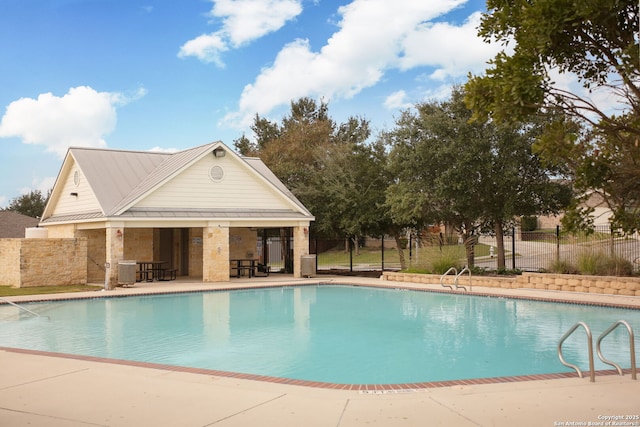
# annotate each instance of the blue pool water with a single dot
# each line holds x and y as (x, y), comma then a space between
(337, 334)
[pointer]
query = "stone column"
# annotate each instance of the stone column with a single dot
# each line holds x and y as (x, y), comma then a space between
(300, 247)
(114, 252)
(215, 253)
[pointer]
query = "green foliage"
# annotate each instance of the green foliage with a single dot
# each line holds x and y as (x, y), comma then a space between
(594, 262)
(330, 167)
(596, 42)
(439, 264)
(528, 223)
(469, 175)
(563, 267)
(603, 264)
(590, 262)
(31, 204)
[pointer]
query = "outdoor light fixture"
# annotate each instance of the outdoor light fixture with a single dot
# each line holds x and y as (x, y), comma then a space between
(219, 152)
(73, 194)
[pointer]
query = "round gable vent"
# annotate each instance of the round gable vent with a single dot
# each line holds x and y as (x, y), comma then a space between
(216, 173)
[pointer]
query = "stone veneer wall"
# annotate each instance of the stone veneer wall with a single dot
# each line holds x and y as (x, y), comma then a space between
(10, 261)
(195, 252)
(610, 285)
(43, 262)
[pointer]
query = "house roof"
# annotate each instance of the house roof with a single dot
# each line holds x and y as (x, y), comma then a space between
(120, 179)
(13, 224)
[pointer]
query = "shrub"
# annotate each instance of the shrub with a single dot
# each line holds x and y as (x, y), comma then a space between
(563, 266)
(614, 265)
(444, 261)
(602, 263)
(528, 223)
(589, 262)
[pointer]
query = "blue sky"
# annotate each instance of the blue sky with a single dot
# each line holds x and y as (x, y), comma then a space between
(169, 74)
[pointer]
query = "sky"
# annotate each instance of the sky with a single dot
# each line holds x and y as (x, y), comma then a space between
(168, 75)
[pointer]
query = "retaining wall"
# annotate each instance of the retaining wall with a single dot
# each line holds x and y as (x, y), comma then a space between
(610, 285)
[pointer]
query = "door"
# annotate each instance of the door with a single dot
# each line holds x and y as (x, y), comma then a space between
(166, 247)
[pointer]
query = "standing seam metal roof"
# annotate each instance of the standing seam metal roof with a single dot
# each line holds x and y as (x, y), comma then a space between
(119, 178)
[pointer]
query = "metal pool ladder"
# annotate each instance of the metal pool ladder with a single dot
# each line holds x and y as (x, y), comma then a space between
(20, 307)
(592, 374)
(632, 350)
(455, 280)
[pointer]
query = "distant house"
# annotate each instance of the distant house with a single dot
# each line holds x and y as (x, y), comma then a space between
(14, 224)
(601, 214)
(196, 209)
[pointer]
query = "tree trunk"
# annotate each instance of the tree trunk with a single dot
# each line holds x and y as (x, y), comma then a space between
(403, 262)
(469, 246)
(500, 245)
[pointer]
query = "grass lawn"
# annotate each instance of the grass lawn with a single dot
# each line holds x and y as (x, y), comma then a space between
(8, 291)
(374, 255)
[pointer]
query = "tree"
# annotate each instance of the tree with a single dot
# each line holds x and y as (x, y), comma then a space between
(330, 167)
(31, 204)
(596, 42)
(468, 175)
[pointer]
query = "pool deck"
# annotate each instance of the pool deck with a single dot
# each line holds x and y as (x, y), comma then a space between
(46, 390)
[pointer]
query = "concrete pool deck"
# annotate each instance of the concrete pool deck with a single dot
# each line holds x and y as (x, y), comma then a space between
(44, 390)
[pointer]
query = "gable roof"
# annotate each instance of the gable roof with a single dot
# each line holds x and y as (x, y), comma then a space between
(119, 179)
(13, 224)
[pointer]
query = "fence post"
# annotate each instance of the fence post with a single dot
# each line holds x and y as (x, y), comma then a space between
(557, 243)
(613, 241)
(382, 240)
(513, 248)
(351, 254)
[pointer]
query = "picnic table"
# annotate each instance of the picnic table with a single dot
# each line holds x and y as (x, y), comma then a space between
(241, 265)
(154, 270)
(251, 266)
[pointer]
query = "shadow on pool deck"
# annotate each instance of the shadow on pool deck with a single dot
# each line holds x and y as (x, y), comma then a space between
(60, 391)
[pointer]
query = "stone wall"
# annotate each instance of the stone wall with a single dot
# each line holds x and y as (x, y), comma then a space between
(10, 261)
(195, 252)
(609, 285)
(215, 249)
(43, 262)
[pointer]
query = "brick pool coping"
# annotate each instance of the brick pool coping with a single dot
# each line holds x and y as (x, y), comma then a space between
(419, 386)
(404, 387)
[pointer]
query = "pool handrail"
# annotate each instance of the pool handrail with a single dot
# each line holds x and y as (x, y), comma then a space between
(592, 372)
(19, 306)
(455, 271)
(466, 268)
(632, 350)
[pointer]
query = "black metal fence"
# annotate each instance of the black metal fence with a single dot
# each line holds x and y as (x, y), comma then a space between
(540, 250)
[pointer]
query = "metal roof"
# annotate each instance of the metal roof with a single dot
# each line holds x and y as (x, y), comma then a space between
(113, 174)
(120, 178)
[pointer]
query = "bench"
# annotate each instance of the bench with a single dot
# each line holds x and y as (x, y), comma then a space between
(262, 270)
(167, 274)
(243, 268)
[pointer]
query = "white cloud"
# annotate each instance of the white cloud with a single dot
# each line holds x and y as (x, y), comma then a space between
(374, 36)
(248, 20)
(42, 184)
(206, 48)
(452, 50)
(81, 117)
(397, 100)
(242, 22)
(158, 149)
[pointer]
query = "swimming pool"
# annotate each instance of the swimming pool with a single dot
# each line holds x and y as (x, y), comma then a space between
(335, 334)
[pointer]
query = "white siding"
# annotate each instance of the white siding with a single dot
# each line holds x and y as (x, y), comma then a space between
(85, 201)
(239, 188)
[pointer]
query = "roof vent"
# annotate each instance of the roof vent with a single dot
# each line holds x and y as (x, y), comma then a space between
(216, 173)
